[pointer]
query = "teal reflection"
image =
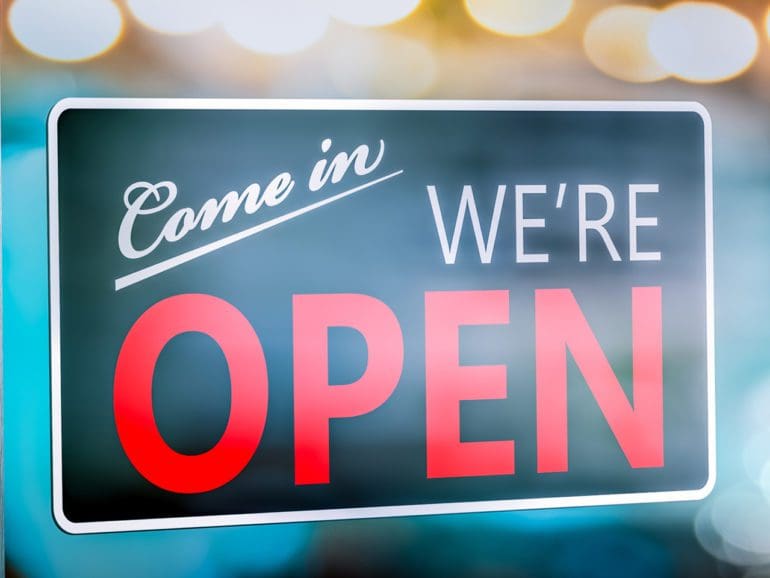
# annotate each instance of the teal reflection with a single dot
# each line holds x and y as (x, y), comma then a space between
(34, 545)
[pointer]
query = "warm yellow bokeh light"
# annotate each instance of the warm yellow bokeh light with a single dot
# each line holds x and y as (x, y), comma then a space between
(269, 27)
(382, 66)
(767, 23)
(174, 17)
(616, 43)
(371, 12)
(65, 30)
(703, 41)
(519, 17)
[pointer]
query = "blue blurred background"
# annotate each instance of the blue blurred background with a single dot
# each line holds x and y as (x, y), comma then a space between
(716, 53)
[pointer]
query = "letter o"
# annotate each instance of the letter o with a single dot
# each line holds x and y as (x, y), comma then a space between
(134, 415)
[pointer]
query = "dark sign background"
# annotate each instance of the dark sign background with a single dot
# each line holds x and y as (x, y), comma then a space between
(381, 242)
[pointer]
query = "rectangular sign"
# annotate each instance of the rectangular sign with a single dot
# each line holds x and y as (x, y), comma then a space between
(267, 311)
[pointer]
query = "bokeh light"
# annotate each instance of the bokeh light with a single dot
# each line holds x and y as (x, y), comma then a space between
(67, 31)
(269, 27)
(171, 17)
(756, 456)
(371, 12)
(519, 17)
(703, 42)
(616, 43)
(382, 66)
(757, 407)
(767, 22)
(734, 526)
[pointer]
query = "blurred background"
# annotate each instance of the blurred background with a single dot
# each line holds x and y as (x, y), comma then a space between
(716, 53)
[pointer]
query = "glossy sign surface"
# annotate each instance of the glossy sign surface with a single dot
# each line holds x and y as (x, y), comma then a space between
(269, 311)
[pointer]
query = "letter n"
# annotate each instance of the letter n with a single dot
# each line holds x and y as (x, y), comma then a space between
(637, 425)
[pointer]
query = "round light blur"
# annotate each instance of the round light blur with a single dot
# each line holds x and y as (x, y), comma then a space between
(764, 480)
(742, 518)
(382, 66)
(269, 27)
(703, 42)
(371, 12)
(65, 30)
(174, 17)
(756, 456)
(734, 526)
(756, 407)
(519, 17)
(616, 43)
(767, 22)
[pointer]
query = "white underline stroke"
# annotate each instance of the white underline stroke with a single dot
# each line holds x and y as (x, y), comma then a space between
(152, 270)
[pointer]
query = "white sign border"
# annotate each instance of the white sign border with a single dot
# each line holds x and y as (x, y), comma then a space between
(378, 511)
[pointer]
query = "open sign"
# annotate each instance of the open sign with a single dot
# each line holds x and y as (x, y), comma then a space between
(273, 311)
